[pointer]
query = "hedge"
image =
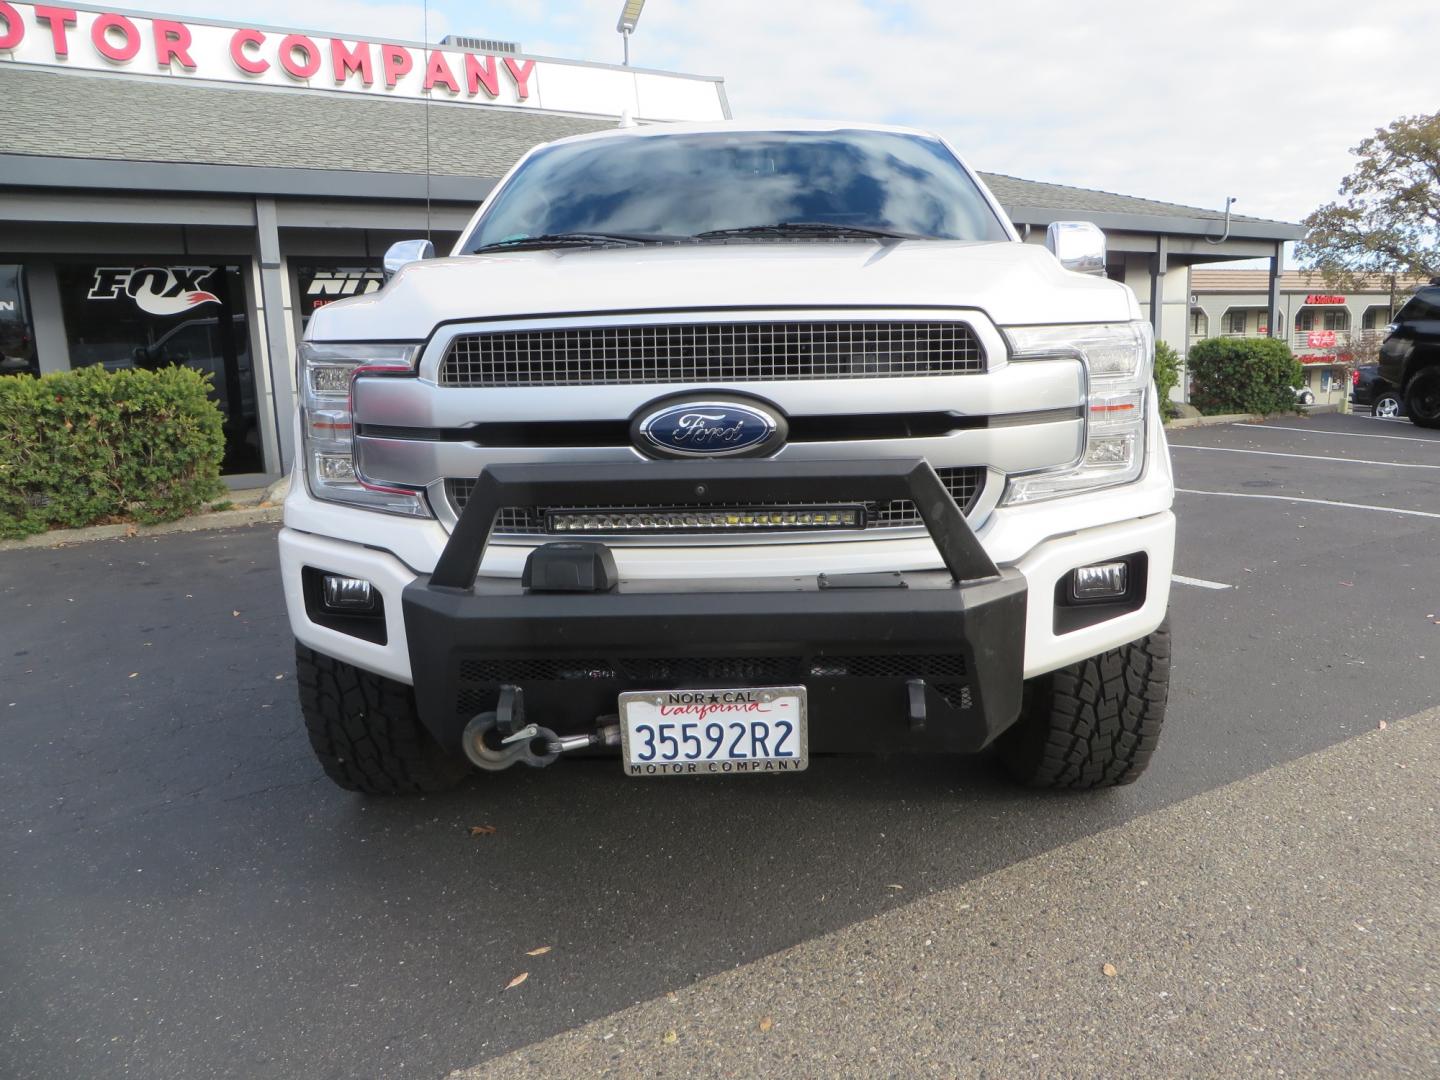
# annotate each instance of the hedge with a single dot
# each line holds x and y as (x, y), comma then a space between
(90, 446)
(1243, 375)
(1167, 374)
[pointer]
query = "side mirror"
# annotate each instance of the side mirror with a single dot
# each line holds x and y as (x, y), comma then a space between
(404, 252)
(1079, 245)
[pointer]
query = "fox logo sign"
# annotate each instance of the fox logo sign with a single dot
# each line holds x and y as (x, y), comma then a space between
(156, 290)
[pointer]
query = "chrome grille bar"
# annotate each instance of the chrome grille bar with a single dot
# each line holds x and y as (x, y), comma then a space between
(711, 353)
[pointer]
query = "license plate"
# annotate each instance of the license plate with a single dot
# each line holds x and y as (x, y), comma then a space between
(714, 732)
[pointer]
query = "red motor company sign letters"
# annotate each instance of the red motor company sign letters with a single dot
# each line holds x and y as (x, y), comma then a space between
(101, 40)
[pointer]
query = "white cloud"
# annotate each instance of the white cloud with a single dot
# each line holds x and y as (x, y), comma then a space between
(353, 18)
(1184, 102)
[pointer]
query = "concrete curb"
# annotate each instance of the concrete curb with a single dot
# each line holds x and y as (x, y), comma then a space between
(220, 519)
(1212, 421)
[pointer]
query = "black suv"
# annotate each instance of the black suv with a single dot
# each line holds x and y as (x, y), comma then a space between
(1378, 394)
(1410, 356)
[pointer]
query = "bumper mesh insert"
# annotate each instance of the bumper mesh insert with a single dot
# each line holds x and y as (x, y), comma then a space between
(480, 680)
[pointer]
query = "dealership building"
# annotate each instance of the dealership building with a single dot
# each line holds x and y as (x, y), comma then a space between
(187, 191)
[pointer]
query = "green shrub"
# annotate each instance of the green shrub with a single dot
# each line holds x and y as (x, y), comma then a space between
(1243, 375)
(89, 446)
(1167, 374)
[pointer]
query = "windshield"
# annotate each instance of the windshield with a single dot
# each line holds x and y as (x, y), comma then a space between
(679, 186)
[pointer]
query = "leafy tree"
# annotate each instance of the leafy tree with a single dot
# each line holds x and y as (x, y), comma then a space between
(1388, 218)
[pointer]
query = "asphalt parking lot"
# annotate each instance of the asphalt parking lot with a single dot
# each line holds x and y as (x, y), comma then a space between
(182, 894)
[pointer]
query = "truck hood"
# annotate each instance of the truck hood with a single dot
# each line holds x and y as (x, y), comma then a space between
(1012, 283)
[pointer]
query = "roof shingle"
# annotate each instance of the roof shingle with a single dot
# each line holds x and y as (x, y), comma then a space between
(1258, 281)
(139, 119)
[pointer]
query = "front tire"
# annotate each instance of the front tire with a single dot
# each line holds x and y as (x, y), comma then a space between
(1095, 723)
(1422, 399)
(365, 731)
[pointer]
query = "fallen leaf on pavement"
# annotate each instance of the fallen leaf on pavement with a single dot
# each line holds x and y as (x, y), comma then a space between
(132, 674)
(1348, 584)
(1110, 971)
(235, 613)
(671, 1037)
(900, 887)
(766, 1023)
(517, 980)
(543, 948)
(482, 830)
(1383, 725)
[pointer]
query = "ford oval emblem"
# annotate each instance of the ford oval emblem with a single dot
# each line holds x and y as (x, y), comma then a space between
(691, 428)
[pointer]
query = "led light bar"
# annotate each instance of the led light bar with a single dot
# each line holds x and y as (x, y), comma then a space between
(699, 519)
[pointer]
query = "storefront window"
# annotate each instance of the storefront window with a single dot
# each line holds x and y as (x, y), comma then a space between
(321, 283)
(127, 313)
(17, 336)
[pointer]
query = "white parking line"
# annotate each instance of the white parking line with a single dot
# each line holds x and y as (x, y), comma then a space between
(1199, 583)
(1307, 457)
(1318, 502)
(1343, 434)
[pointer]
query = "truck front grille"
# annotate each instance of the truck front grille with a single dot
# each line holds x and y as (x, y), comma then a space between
(711, 353)
(964, 485)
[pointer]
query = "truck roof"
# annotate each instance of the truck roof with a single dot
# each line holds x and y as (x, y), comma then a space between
(703, 127)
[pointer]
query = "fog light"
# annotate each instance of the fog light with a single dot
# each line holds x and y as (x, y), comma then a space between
(1102, 581)
(348, 593)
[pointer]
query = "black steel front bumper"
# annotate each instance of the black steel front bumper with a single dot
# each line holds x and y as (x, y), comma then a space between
(927, 661)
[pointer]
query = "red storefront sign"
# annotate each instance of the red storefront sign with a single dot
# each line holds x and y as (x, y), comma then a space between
(1320, 339)
(106, 40)
(1319, 298)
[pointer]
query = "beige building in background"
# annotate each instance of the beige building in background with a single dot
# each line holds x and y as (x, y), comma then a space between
(1329, 330)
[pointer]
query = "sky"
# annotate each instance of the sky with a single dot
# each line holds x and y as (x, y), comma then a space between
(1186, 102)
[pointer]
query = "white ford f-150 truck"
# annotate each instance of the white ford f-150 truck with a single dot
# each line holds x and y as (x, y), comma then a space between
(722, 446)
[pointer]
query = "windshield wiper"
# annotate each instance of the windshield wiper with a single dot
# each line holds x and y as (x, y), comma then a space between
(809, 228)
(574, 239)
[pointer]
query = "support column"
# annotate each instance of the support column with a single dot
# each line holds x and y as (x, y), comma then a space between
(1277, 267)
(46, 316)
(276, 332)
(1159, 264)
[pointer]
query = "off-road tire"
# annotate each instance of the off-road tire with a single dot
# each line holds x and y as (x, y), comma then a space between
(1421, 397)
(1095, 723)
(365, 733)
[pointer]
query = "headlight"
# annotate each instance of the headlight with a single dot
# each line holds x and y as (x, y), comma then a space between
(1118, 358)
(326, 376)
